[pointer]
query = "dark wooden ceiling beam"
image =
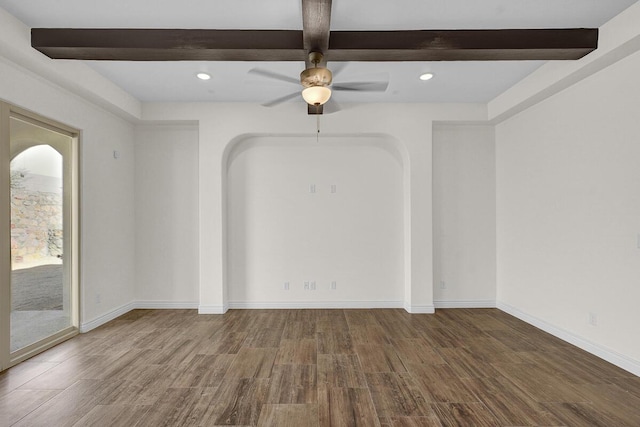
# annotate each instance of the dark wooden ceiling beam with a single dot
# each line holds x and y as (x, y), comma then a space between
(169, 44)
(316, 25)
(462, 45)
(288, 45)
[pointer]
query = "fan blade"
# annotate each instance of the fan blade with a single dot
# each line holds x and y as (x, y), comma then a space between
(361, 86)
(273, 75)
(281, 99)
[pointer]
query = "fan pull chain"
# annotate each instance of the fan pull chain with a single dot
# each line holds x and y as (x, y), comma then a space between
(318, 127)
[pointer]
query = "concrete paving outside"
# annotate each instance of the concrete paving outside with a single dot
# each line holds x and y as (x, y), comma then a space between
(36, 303)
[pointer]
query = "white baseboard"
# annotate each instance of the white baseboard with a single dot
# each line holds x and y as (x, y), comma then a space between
(221, 309)
(213, 309)
(607, 354)
(465, 304)
(420, 309)
(99, 321)
(315, 304)
(166, 304)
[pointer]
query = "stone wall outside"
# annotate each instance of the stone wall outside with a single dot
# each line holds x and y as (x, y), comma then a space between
(36, 224)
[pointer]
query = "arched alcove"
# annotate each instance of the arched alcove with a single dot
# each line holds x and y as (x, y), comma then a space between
(327, 214)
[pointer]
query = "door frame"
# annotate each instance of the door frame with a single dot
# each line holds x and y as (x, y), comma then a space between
(71, 205)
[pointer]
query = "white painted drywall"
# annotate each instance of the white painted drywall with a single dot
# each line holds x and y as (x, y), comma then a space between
(319, 212)
(617, 38)
(568, 209)
(74, 76)
(464, 217)
(223, 125)
(107, 202)
(166, 211)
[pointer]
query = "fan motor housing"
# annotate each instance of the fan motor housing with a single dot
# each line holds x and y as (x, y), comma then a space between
(315, 77)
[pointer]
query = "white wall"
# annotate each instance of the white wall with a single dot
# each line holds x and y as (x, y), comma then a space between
(166, 212)
(464, 221)
(224, 125)
(107, 203)
(278, 231)
(74, 76)
(568, 210)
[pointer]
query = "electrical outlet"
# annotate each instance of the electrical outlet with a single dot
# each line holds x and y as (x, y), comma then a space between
(312, 188)
(334, 189)
(98, 298)
(313, 286)
(306, 286)
(593, 319)
(285, 286)
(443, 284)
(334, 285)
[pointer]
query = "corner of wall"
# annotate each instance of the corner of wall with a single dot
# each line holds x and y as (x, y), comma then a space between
(607, 354)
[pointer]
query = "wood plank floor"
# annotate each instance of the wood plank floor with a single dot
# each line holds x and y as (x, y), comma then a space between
(300, 368)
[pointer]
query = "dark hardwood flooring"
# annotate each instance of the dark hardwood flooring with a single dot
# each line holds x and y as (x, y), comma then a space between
(298, 368)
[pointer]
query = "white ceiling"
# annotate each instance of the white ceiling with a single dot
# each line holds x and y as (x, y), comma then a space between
(454, 81)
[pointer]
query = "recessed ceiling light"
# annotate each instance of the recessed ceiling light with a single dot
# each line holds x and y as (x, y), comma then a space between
(203, 76)
(426, 76)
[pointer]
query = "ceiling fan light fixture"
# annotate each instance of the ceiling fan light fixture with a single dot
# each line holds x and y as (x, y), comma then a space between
(426, 76)
(316, 95)
(203, 76)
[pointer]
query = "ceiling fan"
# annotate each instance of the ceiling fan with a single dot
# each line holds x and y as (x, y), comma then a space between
(317, 83)
(313, 45)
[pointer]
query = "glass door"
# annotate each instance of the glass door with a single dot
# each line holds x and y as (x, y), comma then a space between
(42, 291)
